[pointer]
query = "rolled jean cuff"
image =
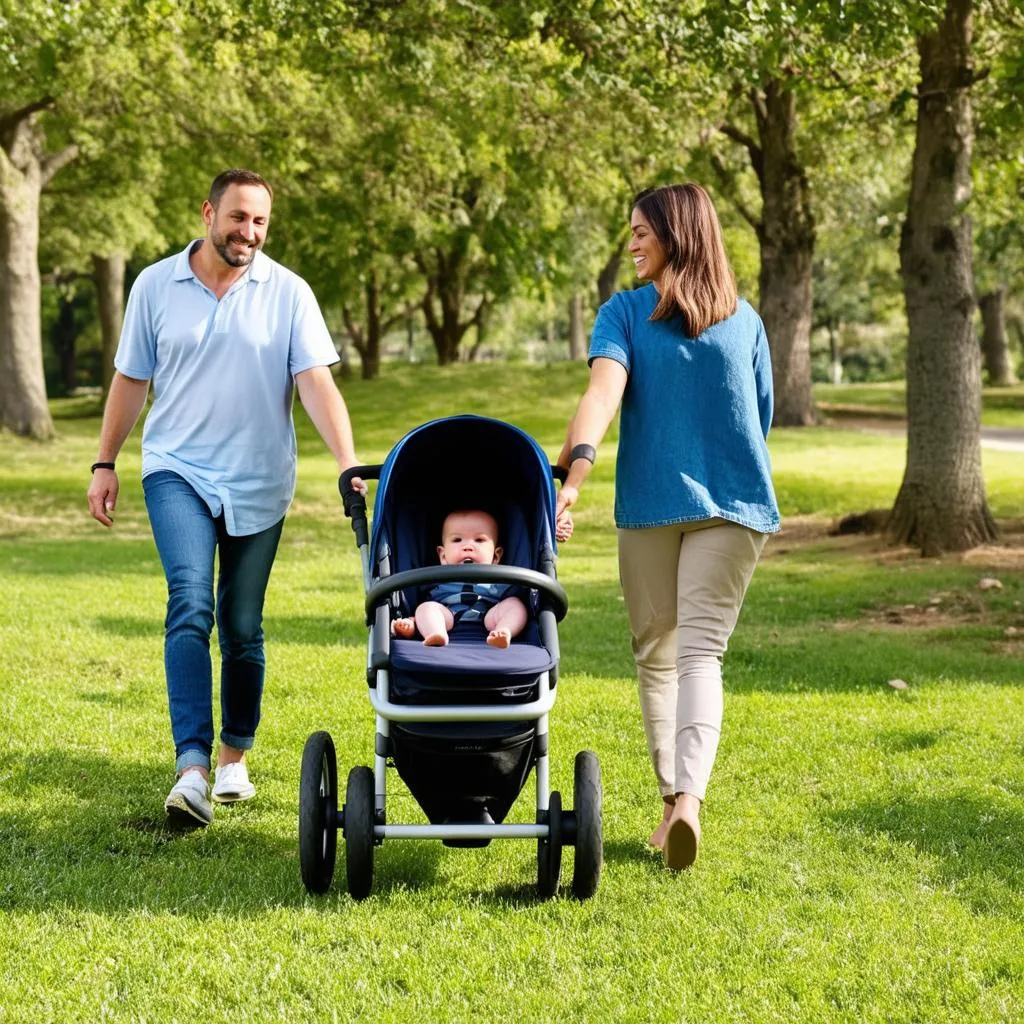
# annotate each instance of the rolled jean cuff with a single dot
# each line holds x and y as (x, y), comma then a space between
(192, 758)
(238, 742)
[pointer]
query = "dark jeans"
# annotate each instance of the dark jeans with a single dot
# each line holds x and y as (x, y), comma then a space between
(187, 537)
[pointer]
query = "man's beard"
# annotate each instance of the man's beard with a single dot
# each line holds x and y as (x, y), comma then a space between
(233, 259)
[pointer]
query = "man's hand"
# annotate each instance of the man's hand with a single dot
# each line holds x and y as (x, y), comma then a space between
(357, 482)
(102, 495)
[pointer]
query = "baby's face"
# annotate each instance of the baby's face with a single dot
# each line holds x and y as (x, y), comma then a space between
(469, 537)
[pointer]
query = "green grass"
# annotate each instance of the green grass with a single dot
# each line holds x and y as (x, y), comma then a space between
(1001, 407)
(863, 856)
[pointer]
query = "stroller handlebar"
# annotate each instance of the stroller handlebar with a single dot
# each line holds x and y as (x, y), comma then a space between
(354, 502)
(550, 589)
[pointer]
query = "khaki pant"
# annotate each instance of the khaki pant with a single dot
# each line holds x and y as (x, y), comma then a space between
(683, 586)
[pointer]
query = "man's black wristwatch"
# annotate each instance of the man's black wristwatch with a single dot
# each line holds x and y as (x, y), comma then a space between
(100, 465)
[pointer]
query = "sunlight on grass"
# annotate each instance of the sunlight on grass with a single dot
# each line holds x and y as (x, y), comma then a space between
(862, 849)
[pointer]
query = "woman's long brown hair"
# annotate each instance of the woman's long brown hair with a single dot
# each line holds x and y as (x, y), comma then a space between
(697, 282)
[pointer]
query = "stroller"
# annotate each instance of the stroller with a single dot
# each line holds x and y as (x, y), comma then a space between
(462, 724)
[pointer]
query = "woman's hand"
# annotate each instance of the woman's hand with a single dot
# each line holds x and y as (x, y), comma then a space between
(564, 526)
(565, 499)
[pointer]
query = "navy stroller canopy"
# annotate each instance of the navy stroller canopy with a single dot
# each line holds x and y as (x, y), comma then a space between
(463, 462)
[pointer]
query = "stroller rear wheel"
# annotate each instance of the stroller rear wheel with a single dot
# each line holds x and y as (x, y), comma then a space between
(358, 824)
(549, 850)
(587, 806)
(318, 812)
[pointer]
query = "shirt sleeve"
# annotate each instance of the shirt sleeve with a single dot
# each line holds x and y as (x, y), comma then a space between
(610, 337)
(311, 343)
(763, 378)
(136, 349)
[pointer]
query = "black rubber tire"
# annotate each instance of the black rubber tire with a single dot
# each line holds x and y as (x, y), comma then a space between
(549, 850)
(359, 821)
(318, 812)
(589, 843)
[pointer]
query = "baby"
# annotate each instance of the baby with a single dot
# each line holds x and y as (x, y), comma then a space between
(468, 537)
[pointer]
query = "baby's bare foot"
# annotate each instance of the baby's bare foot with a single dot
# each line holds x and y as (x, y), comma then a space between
(435, 640)
(403, 627)
(499, 638)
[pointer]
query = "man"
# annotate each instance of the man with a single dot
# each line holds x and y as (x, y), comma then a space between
(222, 331)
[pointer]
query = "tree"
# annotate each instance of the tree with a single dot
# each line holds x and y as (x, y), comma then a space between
(999, 187)
(790, 82)
(941, 505)
(26, 168)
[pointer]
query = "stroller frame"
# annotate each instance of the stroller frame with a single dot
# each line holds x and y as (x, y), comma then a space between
(363, 819)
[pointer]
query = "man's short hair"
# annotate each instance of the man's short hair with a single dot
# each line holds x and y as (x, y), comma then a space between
(236, 176)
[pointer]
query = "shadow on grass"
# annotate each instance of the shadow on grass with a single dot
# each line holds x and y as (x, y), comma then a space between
(806, 653)
(308, 630)
(86, 832)
(903, 741)
(635, 852)
(976, 844)
(85, 557)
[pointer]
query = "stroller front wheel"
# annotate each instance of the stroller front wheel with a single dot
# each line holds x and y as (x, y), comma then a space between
(359, 822)
(318, 812)
(549, 850)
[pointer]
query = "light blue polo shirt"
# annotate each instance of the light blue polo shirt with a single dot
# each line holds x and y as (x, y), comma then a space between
(695, 416)
(222, 376)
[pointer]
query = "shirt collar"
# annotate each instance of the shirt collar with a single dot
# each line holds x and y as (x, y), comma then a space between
(259, 269)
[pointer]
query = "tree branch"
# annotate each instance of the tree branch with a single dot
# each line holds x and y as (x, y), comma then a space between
(15, 117)
(475, 318)
(353, 329)
(728, 182)
(390, 322)
(56, 161)
(734, 133)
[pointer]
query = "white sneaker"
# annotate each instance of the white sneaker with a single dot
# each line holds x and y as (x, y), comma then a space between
(188, 803)
(232, 784)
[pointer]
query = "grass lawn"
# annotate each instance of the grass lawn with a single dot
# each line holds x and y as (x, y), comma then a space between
(863, 855)
(1001, 407)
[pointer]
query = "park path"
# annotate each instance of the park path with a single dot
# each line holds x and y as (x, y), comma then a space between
(1007, 439)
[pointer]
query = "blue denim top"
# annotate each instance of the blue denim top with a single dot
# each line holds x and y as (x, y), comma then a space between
(695, 416)
(222, 374)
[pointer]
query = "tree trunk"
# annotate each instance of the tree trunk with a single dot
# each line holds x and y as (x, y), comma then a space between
(410, 332)
(577, 336)
(370, 352)
(108, 275)
(941, 504)
(995, 345)
(482, 323)
(442, 303)
(786, 236)
(23, 407)
(608, 279)
(63, 337)
(836, 357)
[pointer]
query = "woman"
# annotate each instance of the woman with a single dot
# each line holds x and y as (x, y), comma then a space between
(694, 500)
